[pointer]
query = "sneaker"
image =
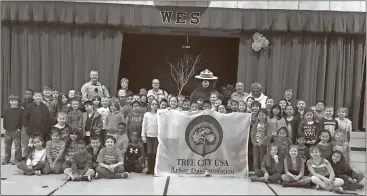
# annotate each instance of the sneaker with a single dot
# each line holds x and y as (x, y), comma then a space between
(285, 184)
(37, 172)
(86, 178)
(317, 187)
(253, 179)
(353, 187)
(5, 163)
(97, 176)
(15, 162)
(70, 177)
(338, 189)
(125, 175)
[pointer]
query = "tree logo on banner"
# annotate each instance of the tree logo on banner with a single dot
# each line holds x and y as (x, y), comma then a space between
(204, 135)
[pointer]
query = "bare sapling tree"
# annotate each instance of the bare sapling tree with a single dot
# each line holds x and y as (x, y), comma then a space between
(184, 69)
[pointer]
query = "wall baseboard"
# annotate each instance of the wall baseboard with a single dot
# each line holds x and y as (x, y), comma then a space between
(357, 149)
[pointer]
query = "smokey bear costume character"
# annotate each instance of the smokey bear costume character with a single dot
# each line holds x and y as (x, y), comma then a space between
(205, 82)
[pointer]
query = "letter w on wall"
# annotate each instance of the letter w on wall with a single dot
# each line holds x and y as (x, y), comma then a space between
(166, 16)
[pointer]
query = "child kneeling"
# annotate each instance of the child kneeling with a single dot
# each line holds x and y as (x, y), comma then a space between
(110, 161)
(35, 163)
(134, 160)
(81, 164)
(271, 167)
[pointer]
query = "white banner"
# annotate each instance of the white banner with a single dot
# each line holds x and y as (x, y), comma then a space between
(191, 143)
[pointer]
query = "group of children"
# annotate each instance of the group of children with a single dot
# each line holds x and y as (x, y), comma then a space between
(302, 147)
(109, 137)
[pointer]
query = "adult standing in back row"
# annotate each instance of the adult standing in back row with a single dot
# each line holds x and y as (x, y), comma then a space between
(239, 94)
(93, 88)
(155, 91)
(256, 93)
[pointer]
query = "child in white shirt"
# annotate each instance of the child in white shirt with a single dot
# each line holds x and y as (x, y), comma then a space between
(35, 163)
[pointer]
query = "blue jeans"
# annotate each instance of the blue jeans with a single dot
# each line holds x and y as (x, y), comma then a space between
(257, 156)
(10, 137)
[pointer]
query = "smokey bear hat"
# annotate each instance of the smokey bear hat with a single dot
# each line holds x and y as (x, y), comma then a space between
(206, 75)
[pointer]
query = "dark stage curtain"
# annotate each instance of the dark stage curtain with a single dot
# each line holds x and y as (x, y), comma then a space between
(37, 55)
(144, 57)
(316, 67)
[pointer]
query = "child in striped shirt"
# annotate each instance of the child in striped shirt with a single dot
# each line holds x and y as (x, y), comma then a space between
(54, 152)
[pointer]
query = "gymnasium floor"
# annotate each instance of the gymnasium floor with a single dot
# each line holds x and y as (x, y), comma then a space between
(13, 183)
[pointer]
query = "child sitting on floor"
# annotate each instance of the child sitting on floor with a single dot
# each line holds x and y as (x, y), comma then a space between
(81, 164)
(271, 167)
(93, 148)
(294, 169)
(35, 163)
(110, 161)
(343, 170)
(322, 173)
(55, 152)
(71, 148)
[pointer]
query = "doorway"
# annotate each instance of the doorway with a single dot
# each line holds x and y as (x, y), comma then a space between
(144, 57)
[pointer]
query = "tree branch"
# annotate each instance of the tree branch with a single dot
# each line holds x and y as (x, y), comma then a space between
(184, 69)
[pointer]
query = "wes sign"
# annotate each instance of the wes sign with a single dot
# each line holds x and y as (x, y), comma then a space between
(169, 17)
